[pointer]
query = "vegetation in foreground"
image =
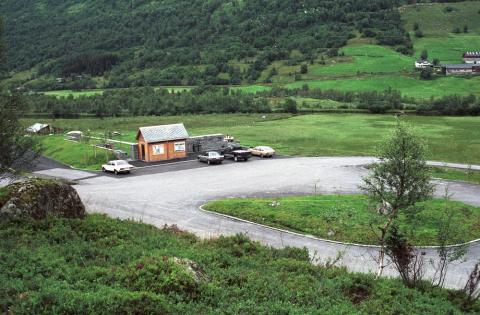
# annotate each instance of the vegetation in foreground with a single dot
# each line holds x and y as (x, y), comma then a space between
(102, 265)
(348, 218)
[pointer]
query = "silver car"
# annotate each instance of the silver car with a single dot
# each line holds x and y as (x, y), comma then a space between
(211, 157)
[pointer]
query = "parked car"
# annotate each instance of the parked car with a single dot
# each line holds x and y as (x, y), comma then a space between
(117, 167)
(236, 152)
(211, 157)
(262, 151)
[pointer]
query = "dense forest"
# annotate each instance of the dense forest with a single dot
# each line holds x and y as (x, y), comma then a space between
(189, 42)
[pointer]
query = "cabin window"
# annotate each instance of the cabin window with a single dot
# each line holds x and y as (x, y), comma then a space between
(179, 146)
(158, 149)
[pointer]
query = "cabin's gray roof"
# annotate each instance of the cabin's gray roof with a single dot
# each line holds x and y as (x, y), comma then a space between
(164, 133)
(459, 66)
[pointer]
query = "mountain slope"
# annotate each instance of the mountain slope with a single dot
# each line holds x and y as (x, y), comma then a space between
(184, 41)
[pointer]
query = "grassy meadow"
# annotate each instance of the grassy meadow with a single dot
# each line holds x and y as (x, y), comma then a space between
(450, 139)
(408, 84)
(79, 155)
(363, 59)
(349, 218)
(75, 94)
(469, 176)
(435, 19)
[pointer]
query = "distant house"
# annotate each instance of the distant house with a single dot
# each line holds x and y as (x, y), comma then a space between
(422, 64)
(164, 142)
(471, 57)
(461, 69)
(40, 129)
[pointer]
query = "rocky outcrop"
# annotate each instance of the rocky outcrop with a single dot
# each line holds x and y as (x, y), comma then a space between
(193, 268)
(40, 198)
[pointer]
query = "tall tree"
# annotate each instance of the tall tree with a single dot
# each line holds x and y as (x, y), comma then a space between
(2, 51)
(17, 152)
(400, 179)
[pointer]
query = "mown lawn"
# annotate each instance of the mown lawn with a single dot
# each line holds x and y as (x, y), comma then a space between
(450, 139)
(79, 155)
(106, 266)
(349, 218)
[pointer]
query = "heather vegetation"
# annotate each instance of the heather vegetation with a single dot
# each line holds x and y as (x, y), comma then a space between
(102, 265)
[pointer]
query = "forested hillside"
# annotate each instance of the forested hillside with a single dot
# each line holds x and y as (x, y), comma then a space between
(182, 42)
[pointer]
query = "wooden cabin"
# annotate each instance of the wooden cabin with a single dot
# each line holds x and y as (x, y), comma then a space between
(160, 143)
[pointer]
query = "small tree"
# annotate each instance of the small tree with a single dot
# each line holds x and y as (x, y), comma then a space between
(436, 61)
(401, 178)
(426, 73)
(17, 152)
(416, 26)
(472, 287)
(419, 34)
(424, 55)
(290, 106)
(303, 68)
(408, 261)
(465, 28)
(447, 234)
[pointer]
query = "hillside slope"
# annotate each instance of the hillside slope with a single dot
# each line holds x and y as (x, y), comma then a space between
(183, 41)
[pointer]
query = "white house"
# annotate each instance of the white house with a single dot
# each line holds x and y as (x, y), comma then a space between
(471, 57)
(422, 64)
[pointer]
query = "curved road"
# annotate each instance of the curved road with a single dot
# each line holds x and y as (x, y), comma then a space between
(174, 197)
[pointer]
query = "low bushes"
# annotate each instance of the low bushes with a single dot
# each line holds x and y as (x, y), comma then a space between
(107, 266)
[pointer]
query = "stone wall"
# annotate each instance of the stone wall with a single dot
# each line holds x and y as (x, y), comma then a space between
(205, 143)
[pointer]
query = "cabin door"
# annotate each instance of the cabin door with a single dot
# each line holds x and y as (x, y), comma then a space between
(142, 152)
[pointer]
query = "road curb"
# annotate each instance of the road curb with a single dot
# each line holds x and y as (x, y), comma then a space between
(201, 208)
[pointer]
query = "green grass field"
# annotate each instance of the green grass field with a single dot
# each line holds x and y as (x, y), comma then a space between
(364, 59)
(469, 176)
(75, 154)
(171, 89)
(349, 218)
(434, 20)
(106, 266)
(75, 94)
(450, 139)
(448, 48)
(406, 84)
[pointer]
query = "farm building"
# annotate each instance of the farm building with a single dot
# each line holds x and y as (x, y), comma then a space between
(472, 57)
(42, 129)
(160, 143)
(461, 69)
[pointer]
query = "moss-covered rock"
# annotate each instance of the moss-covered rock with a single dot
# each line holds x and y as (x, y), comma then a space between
(165, 275)
(39, 198)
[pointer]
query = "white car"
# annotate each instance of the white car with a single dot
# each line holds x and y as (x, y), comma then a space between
(117, 167)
